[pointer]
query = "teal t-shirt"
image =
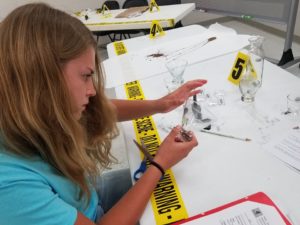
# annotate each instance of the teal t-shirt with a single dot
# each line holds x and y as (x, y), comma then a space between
(32, 192)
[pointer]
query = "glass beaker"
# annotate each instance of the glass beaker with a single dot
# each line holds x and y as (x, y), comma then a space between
(176, 68)
(251, 78)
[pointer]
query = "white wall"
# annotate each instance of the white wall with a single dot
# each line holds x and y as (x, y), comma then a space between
(73, 5)
(297, 26)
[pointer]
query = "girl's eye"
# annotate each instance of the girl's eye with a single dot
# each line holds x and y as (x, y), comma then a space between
(87, 76)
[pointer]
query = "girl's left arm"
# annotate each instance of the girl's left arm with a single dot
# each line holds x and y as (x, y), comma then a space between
(128, 109)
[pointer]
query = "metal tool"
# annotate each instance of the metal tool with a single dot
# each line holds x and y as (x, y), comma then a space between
(196, 109)
(143, 166)
(147, 156)
(186, 136)
(141, 170)
(184, 119)
(143, 149)
(189, 49)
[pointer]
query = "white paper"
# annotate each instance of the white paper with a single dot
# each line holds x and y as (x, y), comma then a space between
(246, 213)
(286, 147)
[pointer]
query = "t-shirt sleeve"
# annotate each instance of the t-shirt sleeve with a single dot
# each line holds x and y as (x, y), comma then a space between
(26, 198)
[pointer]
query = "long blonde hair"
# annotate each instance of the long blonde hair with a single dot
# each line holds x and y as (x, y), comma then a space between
(35, 113)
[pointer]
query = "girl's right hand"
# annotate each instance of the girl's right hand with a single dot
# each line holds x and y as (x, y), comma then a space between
(171, 151)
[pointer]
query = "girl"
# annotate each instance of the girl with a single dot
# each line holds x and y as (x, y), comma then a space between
(56, 125)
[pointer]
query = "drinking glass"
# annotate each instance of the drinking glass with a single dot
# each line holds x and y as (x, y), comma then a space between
(176, 67)
(293, 103)
(251, 78)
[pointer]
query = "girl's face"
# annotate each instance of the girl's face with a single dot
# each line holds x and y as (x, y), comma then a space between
(78, 74)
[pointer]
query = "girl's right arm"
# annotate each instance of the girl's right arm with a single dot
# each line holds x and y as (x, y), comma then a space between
(131, 206)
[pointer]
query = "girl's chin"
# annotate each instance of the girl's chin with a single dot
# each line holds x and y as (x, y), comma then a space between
(78, 115)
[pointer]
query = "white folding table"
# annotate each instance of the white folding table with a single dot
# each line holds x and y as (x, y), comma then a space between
(167, 16)
(220, 170)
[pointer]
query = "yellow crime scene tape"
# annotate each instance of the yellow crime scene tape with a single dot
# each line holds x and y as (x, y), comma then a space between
(167, 203)
(170, 21)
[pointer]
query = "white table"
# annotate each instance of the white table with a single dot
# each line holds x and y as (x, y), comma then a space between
(138, 64)
(142, 42)
(167, 16)
(221, 170)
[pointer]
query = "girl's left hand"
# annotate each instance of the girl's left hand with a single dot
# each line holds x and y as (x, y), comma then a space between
(180, 95)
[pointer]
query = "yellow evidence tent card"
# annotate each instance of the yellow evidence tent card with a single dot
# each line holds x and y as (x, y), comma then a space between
(156, 28)
(105, 12)
(239, 66)
(153, 4)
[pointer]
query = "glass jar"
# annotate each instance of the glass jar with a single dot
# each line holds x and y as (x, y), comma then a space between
(251, 78)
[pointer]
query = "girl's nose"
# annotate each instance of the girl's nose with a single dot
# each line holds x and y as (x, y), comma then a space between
(91, 91)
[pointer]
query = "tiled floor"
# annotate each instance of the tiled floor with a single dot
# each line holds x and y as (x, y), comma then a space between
(273, 47)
